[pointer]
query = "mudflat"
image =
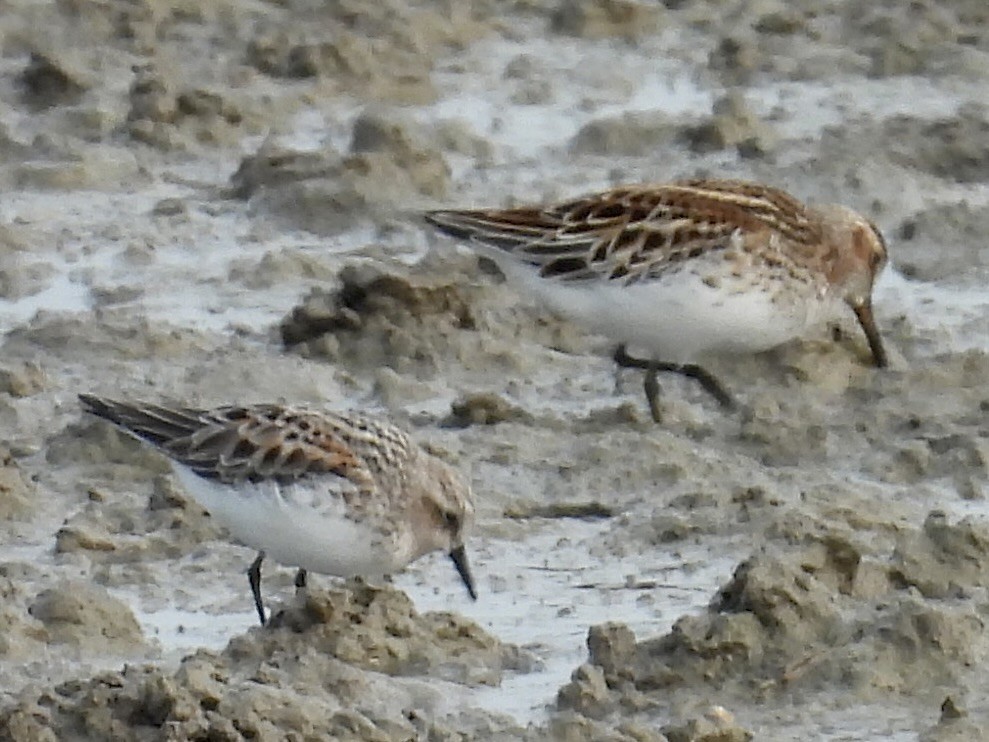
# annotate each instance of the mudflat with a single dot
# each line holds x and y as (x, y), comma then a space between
(218, 202)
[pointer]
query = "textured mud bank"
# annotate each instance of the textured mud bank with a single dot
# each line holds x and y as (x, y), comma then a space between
(213, 202)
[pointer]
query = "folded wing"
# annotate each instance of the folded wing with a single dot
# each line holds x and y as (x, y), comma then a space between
(629, 234)
(240, 443)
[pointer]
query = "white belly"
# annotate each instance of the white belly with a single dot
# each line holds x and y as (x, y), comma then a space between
(682, 318)
(326, 542)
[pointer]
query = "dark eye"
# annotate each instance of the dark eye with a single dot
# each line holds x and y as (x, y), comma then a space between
(451, 520)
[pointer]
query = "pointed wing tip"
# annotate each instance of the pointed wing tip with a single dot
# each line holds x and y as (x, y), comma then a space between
(449, 222)
(107, 409)
(443, 217)
(437, 216)
(92, 403)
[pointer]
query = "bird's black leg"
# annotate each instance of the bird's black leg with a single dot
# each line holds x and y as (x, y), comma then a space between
(254, 575)
(652, 368)
(709, 382)
(701, 375)
(300, 579)
(623, 359)
(651, 386)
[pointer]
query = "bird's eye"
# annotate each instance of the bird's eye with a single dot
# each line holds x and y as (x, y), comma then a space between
(452, 520)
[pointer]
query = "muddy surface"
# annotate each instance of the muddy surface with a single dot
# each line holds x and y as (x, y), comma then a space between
(216, 202)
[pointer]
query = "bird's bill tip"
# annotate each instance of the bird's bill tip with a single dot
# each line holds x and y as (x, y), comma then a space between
(863, 312)
(459, 558)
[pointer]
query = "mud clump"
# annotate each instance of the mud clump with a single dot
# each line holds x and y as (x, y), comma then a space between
(628, 134)
(924, 41)
(23, 636)
(412, 323)
(953, 148)
(602, 19)
(484, 409)
(299, 677)
(441, 313)
(943, 560)
(21, 277)
(109, 334)
(825, 616)
(782, 625)
(714, 725)
(87, 617)
(391, 164)
(766, 615)
(16, 492)
(384, 52)
(158, 111)
(376, 318)
(610, 646)
(958, 229)
(954, 725)
(45, 83)
(350, 63)
(379, 629)
(732, 124)
(22, 380)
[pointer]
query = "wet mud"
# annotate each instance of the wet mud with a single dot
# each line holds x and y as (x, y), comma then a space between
(218, 202)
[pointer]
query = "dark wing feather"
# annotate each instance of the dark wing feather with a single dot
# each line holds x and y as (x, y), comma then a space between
(234, 444)
(630, 233)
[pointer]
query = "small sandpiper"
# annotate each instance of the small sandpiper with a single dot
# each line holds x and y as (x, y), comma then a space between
(335, 493)
(684, 269)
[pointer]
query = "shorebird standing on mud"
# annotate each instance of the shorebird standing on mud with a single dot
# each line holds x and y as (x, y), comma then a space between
(685, 269)
(339, 494)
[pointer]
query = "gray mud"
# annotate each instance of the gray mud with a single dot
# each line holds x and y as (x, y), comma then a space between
(215, 202)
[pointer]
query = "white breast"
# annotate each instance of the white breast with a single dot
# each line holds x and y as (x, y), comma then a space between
(281, 524)
(681, 318)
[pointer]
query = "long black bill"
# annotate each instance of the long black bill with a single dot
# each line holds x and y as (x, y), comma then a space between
(864, 313)
(459, 558)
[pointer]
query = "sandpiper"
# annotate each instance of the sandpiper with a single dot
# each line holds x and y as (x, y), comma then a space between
(336, 493)
(680, 270)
